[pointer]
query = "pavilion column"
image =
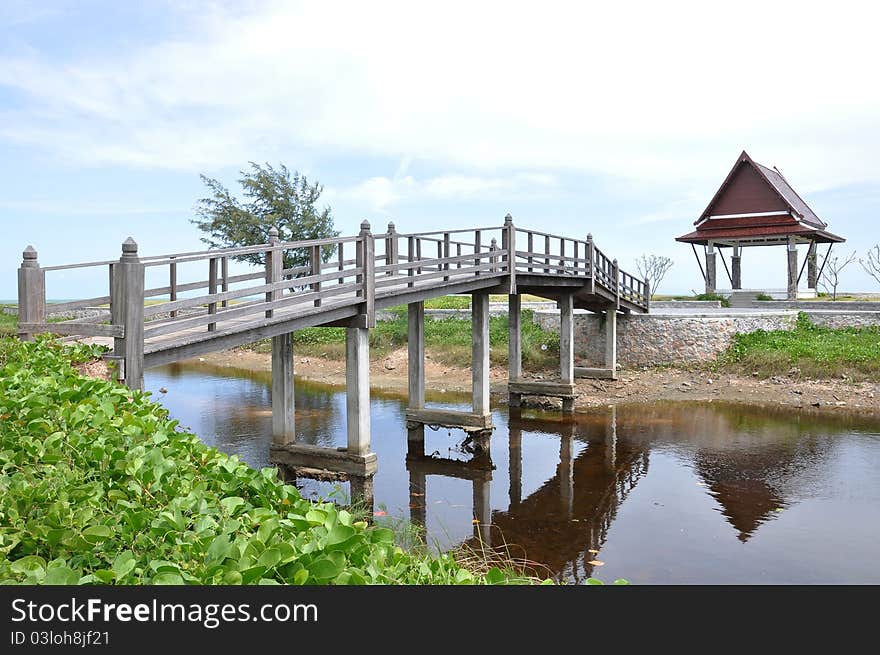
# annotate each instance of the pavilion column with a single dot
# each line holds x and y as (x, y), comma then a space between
(792, 269)
(812, 269)
(710, 268)
(736, 268)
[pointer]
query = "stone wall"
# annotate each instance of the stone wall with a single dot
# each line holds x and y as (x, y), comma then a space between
(652, 339)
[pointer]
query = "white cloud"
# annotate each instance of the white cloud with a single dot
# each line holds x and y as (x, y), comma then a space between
(666, 92)
(380, 193)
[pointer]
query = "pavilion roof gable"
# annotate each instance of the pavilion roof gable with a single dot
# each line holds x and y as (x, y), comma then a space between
(773, 191)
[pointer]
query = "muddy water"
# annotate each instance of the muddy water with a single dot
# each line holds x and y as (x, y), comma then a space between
(672, 493)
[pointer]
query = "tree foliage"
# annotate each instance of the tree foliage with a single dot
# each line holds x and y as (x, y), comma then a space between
(654, 269)
(271, 197)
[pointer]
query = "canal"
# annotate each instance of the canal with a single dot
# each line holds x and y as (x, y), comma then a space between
(677, 493)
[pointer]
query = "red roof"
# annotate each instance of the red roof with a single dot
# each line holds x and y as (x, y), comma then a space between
(756, 201)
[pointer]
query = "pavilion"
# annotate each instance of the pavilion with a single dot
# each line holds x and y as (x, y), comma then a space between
(756, 206)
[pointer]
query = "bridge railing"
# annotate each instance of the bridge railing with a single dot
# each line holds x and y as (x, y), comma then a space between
(440, 257)
(552, 254)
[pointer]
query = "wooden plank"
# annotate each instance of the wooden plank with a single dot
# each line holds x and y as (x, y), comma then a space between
(544, 388)
(57, 308)
(286, 301)
(449, 418)
(446, 275)
(427, 263)
(338, 460)
(70, 328)
(187, 303)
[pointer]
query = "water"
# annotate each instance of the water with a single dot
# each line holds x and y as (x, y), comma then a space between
(666, 493)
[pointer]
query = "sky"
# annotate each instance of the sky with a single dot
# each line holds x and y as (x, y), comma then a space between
(618, 119)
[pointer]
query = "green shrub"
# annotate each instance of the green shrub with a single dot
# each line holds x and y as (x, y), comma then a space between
(99, 486)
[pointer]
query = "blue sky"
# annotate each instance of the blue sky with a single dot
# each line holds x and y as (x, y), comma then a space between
(620, 121)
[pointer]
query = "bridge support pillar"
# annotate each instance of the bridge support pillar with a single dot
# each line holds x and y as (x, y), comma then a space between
(416, 354)
(357, 390)
(611, 341)
(566, 338)
(283, 421)
(514, 348)
(736, 268)
(792, 269)
(480, 358)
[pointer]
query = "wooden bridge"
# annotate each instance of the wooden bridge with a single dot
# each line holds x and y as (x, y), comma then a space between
(344, 282)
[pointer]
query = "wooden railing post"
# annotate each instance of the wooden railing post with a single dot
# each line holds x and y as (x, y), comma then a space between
(562, 256)
(493, 259)
(224, 273)
(446, 254)
(411, 257)
(391, 255)
(172, 283)
(530, 245)
(274, 266)
(368, 259)
(31, 291)
(508, 243)
(647, 294)
(547, 253)
(212, 289)
(315, 269)
(127, 309)
(590, 265)
(616, 282)
(478, 250)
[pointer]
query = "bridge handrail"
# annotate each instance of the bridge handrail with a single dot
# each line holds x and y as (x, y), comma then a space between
(341, 281)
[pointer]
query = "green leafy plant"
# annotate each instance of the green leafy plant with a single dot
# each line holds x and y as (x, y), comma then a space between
(99, 486)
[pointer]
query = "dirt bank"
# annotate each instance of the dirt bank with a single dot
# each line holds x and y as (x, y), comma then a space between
(633, 386)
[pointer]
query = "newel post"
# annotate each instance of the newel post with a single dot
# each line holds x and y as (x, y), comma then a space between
(127, 310)
(367, 260)
(508, 243)
(31, 291)
(647, 295)
(274, 266)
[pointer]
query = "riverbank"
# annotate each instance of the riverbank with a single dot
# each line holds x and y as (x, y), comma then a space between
(633, 386)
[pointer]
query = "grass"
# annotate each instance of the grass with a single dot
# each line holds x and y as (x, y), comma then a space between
(764, 297)
(8, 323)
(815, 352)
(697, 296)
(448, 340)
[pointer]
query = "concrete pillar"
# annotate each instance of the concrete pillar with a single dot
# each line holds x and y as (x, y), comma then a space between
(812, 268)
(415, 439)
(416, 354)
(710, 268)
(611, 339)
(482, 512)
(480, 355)
(566, 470)
(361, 492)
(31, 291)
(736, 268)
(515, 462)
(792, 269)
(566, 338)
(127, 309)
(514, 349)
(357, 389)
(283, 422)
